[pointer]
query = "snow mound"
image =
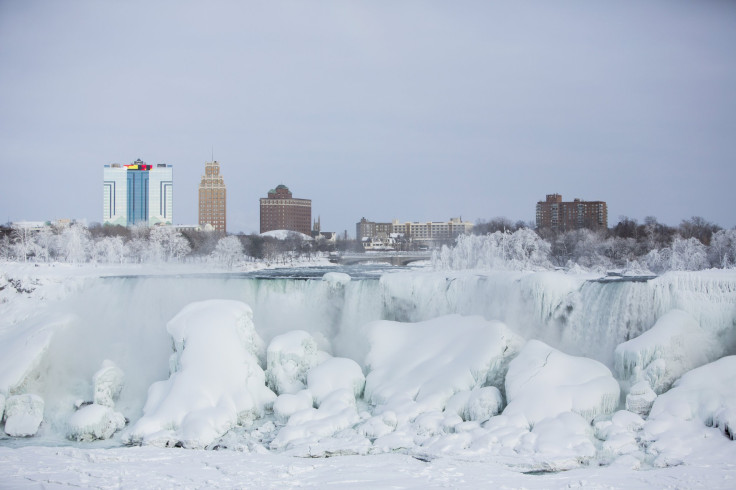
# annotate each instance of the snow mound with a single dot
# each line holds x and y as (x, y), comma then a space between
(705, 394)
(417, 367)
(543, 382)
(336, 413)
(287, 404)
(286, 234)
(337, 373)
(93, 422)
(216, 381)
(673, 346)
(336, 279)
(108, 382)
(483, 404)
(288, 359)
(23, 415)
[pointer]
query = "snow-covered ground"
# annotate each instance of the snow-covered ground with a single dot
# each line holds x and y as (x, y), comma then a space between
(420, 379)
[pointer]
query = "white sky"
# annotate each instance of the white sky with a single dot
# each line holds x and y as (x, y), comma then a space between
(383, 109)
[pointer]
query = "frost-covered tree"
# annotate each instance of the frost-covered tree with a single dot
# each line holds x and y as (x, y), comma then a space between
(228, 250)
(46, 241)
(685, 254)
(109, 249)
(167, 244)
(75, 243)
(722, 250)
(523, 249)
(23, 244)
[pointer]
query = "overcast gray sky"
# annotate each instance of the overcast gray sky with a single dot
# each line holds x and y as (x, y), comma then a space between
(384, 109)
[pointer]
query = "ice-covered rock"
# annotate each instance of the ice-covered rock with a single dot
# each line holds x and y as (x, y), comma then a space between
(640, 398)
(216, 381)
(23, 415)
(417, 367)
(543, 382)
(288, 359)
(483, 404)
(108, 382)
(705, 394)
(336, 413)
(336, 373)
(287, 404)
(673, 346)
(93, 422)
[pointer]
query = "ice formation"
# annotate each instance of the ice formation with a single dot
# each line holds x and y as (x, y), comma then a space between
(673, 346)
(94, 421)
(543, 382)
(287, 404)
(288, 359)
(337, 373)
(422, 365)
(216, 381)
(336, 279)
(23, 415)
(640, 398)
(108, 382)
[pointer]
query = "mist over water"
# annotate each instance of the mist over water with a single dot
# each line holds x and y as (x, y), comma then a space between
(124, 318)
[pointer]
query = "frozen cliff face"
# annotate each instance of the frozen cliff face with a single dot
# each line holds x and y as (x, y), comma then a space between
(673, 346)
(543, 382)
(424, 364)
(216, 381)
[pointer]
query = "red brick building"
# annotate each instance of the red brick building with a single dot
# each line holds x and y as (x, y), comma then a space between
(280, 211)
(562, 216)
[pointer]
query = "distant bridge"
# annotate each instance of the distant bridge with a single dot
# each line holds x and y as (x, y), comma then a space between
(397, 258)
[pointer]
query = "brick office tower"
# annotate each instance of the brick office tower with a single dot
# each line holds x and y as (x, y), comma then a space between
(565, 216)
(280, 211)
(212, 202)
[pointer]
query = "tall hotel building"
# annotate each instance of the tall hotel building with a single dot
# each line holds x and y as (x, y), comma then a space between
(212, 203)
(557, 215)
(279, 211)
(138, 193)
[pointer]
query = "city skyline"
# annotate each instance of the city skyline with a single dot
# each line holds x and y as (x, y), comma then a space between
(440, 110)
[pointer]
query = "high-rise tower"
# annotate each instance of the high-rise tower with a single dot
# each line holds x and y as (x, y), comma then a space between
(138, 193)
(281, 211)
(212, 202)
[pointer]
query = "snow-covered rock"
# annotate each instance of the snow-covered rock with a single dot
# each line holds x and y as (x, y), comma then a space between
(23, 415)
(108, 382)
(543, 382)
(705, 394)
(288, 359)
(216, 381)
(336, 373)
(418, 367)
(673, 346)
(93, 422)
(287, 404)
(483, 404)
(336, 413)
(640, 398)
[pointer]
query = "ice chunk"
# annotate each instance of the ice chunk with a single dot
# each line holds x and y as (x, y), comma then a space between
(673, 346)
(640, 398)
(93, 422)
(705, 394)
(335, 374)
(23, 415)
(543, 382)
(428, 362)
(108, 382)
(216, 381)
(288, 359)
(287, 404)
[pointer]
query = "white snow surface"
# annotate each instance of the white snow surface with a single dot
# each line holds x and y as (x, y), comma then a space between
(337, 373)
(285, 234)
(216, 381)
(543, 382)
(288, 359)
(673, 346)
(424, 364)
